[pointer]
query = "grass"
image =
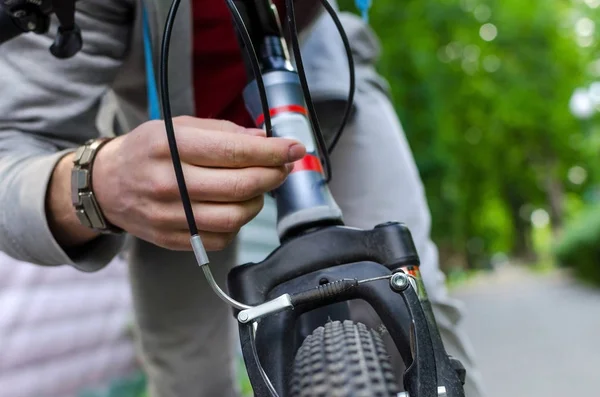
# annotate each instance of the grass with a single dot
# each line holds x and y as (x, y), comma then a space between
(243, 379)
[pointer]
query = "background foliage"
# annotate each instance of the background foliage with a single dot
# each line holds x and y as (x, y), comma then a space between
(483, 89)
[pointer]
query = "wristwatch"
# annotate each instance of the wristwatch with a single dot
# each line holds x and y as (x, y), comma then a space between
(82, 192)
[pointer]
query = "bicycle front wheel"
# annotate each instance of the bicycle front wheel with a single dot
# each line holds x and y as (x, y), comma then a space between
(343, 360)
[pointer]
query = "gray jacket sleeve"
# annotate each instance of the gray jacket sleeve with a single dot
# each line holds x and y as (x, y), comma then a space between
(47, 107)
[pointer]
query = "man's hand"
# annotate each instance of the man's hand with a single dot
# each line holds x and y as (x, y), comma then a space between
(227, 170)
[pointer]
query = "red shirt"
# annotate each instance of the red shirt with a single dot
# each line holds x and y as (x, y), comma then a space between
(219, 72)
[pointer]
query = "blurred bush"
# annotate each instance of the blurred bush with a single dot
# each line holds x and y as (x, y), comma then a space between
(579, 246)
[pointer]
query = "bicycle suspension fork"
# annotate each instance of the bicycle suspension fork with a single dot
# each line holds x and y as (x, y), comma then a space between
(304, 199)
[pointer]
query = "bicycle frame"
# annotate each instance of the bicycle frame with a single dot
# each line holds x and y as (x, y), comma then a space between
(318, 249)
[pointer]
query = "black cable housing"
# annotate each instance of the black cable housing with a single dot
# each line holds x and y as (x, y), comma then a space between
(322, 146)
(338, 24)
(241, 28)
(166, 108)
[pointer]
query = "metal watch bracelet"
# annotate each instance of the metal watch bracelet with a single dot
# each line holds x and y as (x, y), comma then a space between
(82, 193)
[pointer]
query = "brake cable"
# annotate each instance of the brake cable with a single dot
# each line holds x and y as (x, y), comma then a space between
(284, 301)
(352, 88)
(195, 240)
(262, 91)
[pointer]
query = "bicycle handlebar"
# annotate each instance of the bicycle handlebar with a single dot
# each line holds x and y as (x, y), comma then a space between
(23, 16)
(9, 29)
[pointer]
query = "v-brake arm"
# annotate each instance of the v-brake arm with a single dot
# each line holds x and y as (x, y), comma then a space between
(432, 373)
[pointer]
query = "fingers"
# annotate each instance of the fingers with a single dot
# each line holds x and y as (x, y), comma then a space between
(216, 125)
(213, 184)
(180, 240)
(230, 150)
(218, 223)
(210, 217)
(219, 143)
(221, 185)
(225, 149)
(226, 185)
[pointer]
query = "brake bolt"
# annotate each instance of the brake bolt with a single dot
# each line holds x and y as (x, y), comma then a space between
(243, 317)
(399, 281)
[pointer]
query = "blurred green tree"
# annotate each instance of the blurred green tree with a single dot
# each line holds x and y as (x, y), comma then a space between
(483, 88)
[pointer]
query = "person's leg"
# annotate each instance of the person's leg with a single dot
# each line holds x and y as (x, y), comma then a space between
(375, 180)
(185, 332)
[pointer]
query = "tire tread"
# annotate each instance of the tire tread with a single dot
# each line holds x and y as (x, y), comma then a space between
(343, 360)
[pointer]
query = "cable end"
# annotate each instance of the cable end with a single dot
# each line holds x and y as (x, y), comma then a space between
(199, 251)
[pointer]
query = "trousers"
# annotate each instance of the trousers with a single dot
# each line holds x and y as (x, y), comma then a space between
(187, 335)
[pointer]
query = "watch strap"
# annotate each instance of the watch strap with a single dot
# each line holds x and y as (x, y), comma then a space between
(82, 193)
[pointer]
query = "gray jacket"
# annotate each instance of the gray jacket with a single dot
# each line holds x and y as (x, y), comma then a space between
(50, 106)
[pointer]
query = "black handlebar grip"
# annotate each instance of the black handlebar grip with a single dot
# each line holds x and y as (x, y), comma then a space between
(8, 27)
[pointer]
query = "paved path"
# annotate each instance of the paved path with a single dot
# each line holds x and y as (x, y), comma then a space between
(534, 335)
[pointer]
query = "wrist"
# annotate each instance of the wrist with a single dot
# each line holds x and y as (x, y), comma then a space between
(104, 185)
